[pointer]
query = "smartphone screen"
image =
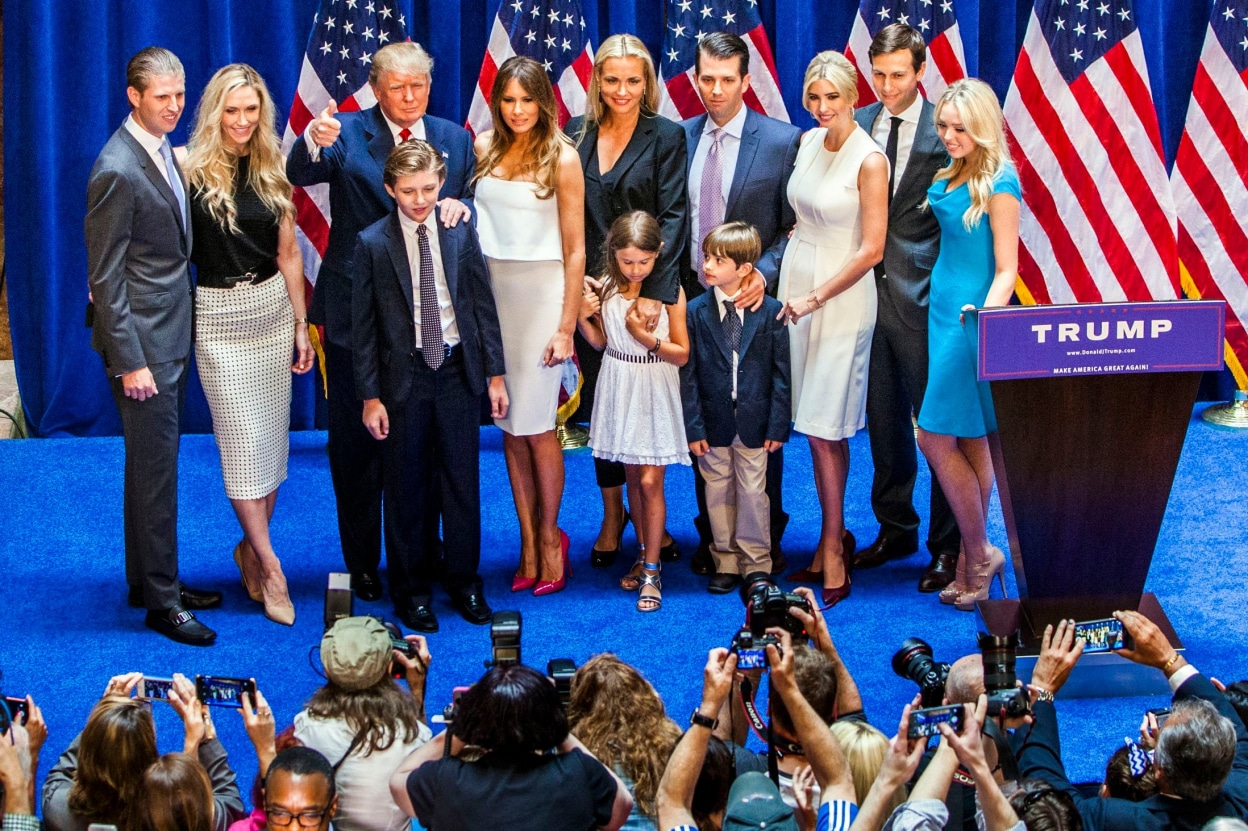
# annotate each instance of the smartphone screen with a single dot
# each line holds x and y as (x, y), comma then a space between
(18, 711)
(1100, 635)
(223, 692)
(154, 689)
(924, 723)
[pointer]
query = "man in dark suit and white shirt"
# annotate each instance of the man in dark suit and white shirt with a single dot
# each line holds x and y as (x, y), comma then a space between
(349, 151)
(138, 265)
(739, 168)
(902, 124)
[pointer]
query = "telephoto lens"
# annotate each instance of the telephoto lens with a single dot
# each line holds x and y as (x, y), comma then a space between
(914, 661)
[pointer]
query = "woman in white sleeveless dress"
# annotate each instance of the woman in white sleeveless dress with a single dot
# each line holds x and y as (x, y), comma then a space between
(839, 191)
(530, 216)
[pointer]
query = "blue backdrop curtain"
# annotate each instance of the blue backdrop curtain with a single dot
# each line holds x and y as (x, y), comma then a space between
(64, 70)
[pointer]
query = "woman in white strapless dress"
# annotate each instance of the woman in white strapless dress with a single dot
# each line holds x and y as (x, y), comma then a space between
(839, 191)
(530, 194)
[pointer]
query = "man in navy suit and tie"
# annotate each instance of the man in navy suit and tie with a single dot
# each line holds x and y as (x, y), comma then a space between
(424, 337)
(349, 152)
(739, 168)
(902, 124)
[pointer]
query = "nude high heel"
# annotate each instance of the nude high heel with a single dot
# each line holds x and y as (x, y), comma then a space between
(949, 594)
(994, 567)
(254, 593)
(277, 605)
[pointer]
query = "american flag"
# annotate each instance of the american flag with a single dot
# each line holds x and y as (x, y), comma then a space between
(935, 19)
(1210, 179)
(687, 22)
(1098, 220)
(551, 32)
(345, 34)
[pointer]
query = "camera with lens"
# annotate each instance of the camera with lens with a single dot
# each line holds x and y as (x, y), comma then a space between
(751, 649)
(914, 661)
(1005, 698)
(767, 605)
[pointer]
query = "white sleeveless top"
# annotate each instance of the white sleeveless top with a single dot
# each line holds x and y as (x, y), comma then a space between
(514, 224)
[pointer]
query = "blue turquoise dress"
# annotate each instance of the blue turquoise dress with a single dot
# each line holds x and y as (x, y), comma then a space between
(954, 402)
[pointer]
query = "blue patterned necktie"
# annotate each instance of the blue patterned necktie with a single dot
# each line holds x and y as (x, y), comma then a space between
(732, 326)
(430, 316)
(175, 181)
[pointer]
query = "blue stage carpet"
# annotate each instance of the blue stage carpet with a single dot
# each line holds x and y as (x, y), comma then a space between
(67, 629)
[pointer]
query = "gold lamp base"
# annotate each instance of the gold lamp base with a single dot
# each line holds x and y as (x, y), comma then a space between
(572, 436)
(1232, 414)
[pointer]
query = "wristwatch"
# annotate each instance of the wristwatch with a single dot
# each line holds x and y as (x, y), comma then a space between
(1043, 694)
(699, 720)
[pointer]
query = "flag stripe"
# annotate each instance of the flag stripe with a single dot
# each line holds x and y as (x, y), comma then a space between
(1224, 128)
(1201, 273)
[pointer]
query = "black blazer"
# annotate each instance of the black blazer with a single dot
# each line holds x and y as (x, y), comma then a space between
(649, 176)
(383, 331)
(763, 408)
(759, 193)
(1041, 757)
(353, 167)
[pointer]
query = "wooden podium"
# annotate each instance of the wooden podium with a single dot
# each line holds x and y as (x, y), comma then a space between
(1088, 409)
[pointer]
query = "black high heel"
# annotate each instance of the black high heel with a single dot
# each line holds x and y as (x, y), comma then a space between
(602, 559)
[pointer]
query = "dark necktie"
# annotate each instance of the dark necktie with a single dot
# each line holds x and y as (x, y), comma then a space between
(175, 181)
(404, 134)
(890, 150)
(732, 326)
(430, 317)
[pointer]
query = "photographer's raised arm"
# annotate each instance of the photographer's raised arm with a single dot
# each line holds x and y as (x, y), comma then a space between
(16, 790)
(675, 796)
(822, 752)
(848, 699)
(416, 671)
(969, 747)
(1041, 754)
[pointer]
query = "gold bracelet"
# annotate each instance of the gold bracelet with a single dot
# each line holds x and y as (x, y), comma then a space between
(812, 300)
(1166, 666)
(299, 320)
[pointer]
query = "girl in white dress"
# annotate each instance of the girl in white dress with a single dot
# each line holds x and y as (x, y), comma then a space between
(637, 416)
(839, 191)
(530, 192)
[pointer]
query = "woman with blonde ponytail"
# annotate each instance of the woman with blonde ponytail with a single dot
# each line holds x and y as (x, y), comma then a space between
(976, 200)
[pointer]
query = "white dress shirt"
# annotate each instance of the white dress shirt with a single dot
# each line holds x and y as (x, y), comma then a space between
(152, 145)
(418, 131)
(729, 149)
(905, 134)
(446, 311)
(720, 297)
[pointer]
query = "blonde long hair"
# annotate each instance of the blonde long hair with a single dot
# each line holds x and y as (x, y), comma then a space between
(980, 111)
(212, 162)
(621, 46)
(542, 155)
(864, 748)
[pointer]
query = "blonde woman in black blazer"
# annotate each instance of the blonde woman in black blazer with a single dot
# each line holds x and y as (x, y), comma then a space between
(634, 160)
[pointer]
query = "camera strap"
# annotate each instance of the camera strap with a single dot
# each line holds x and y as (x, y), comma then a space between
(775, 744)
(1006, 760)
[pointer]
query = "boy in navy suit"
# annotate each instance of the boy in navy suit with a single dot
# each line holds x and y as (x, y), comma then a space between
(735, 392)
(424, 338)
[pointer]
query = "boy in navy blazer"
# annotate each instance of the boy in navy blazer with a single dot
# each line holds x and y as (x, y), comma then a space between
(424, 339)
(735, 392)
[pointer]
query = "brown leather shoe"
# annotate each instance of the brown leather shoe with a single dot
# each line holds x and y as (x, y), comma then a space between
(940, 573)
(887, 548)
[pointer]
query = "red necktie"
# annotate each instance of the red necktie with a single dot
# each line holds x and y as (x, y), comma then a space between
(405, 134)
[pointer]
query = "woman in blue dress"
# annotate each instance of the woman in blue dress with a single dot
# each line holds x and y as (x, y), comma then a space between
(976, 199)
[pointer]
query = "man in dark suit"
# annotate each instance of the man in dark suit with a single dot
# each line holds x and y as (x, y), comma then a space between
(739, 168)
(138, 248)
(1201, 755)
(902, 124)
(349, 153)
(424, 338)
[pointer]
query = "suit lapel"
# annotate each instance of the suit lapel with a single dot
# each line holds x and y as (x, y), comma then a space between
(692, 137)
(585, 148)
(925, 142)
(397, 247)
(154, 175)
(449, 243)
(745, 160)
(748, 327)
(642, 138)
(380, 140)
(710, 315)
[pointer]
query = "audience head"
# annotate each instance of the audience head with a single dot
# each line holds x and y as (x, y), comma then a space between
(755, 802)
(710, 794)
(1195, 750)
(864, 748)
(619, 717)
(1121, 783)
(722, 72)
(1042, 808)
(632, 248)
(898, 59)
(300, 784)
(1225, 824)
(177, 796)
(512, 712)
(117, 745)
(400, 76)
(156, 89)
(1237, 694)
(830, 90)
(965, 682)
(623, 80)
(816, 680)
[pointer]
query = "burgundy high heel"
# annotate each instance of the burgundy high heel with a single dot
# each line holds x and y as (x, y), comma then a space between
(545, 587)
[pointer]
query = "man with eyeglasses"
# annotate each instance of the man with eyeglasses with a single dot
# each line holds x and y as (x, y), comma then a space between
(299, 790)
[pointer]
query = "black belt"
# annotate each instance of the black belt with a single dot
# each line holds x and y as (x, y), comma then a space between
(633, 359)
(224, 281)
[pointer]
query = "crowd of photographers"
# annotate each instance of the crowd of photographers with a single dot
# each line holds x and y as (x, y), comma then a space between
(974, 750)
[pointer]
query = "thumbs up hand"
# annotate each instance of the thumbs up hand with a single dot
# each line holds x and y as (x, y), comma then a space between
(324, 129)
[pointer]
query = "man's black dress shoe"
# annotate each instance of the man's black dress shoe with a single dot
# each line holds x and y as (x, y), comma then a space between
(176, 623)
(723, 583)
(473, 608)
(778, 561)
(702, 562)
(940, 573)
(418, 616)
(367, 585)
(190, 598)
(887, 548)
